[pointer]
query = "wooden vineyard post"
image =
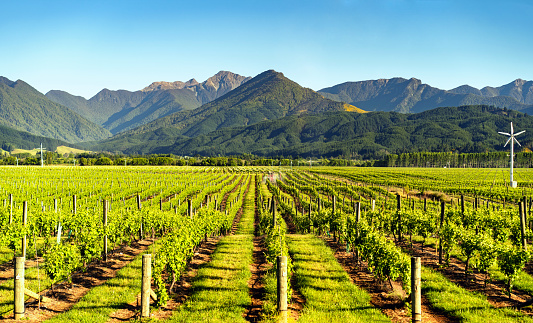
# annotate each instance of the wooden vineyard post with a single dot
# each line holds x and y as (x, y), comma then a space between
(416, 290)
(463, 206)
(525, 211)
(282, 288)
(398, 207)
(442, 209)
(146, 285)
(333, 207)
(357, 219)
(273, 212)
(522, 211)
(74, 204)
(318, 205)
(55, 205)
(310, 218)
(105, 226)
(10, 208)
(19, 288)
(373, 205)
(189, 208)
(24, 222)
(139, 206)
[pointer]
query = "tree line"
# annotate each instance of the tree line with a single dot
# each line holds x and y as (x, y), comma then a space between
(463, 160)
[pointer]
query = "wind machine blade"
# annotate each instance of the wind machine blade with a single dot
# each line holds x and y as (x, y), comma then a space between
(508, 141)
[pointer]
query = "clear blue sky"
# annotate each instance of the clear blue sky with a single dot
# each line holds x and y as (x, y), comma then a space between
(84, 46)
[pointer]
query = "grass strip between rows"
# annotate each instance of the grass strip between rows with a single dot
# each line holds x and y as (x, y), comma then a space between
(117, 292)
(523, 281)
(35, 280)
(329, 293)
(221, 286)
(463, 304)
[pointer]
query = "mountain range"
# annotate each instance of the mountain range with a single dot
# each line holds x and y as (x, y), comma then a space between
(122, 110)
(270, 114)
(411, 95)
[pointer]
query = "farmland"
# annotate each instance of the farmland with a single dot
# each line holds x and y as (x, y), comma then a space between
(214, 234)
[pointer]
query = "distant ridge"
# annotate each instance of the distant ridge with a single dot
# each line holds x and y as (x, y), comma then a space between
(411, 95)
(213, 88)
(268, 96)
(520, 90)
(24, 108)
(122, 110)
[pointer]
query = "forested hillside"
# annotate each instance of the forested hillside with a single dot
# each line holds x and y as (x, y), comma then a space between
(24, 108)
(348, 134)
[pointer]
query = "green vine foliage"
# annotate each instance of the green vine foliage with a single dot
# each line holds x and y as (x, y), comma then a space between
(61, 260)
(511, 261)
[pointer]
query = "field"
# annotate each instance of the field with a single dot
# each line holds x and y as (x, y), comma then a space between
(60, 150)
(214, 234)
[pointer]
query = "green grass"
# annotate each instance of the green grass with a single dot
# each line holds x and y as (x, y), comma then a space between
(34, 280)
(270, 311)
(462, 304)
(523, 282)
(329, 293)
(6, 254)
(116, 293)
(221, 286)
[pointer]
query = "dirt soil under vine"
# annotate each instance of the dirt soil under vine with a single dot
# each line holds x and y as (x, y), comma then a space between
(387, 299)
(66, 295)
(182, 290)
(455, 272)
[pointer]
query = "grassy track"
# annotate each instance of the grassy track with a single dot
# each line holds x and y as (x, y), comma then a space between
(31, 282)
(329, 293)
(463, 304)
(221, 286)
(102, 300)
(523, 281)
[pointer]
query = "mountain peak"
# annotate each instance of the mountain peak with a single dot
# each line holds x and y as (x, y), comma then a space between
(465, 89)
(231, 79)
(6, 81)
(519, 82)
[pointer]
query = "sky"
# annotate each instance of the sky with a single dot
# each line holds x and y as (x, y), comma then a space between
(84, 46)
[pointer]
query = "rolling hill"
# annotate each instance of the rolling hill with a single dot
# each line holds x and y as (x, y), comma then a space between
(348, 134)
(11, 139)
(24, 108)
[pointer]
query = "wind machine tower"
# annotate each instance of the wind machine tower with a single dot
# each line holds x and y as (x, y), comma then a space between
(512, 139)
